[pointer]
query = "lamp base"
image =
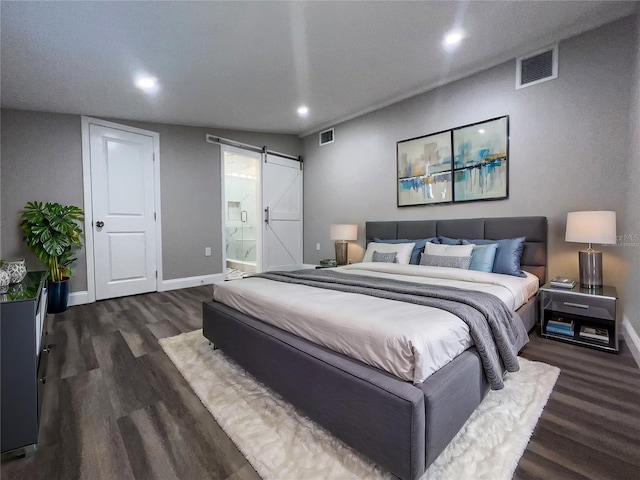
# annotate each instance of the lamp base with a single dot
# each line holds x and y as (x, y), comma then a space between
(590, 264)
(341, 252)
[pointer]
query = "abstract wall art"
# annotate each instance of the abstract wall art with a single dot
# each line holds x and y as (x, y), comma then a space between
(462, 164)
(424, 170)
(480, 166)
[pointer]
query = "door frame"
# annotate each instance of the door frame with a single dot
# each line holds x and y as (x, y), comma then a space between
(223, 213)
(88, 198)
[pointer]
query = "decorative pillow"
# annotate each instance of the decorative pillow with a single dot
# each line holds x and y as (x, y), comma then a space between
(403, 251)
(445, 261)
(449, 241)
(508, 255)
(483, 256)
(387, 257)
(417, 249)
(448, 250)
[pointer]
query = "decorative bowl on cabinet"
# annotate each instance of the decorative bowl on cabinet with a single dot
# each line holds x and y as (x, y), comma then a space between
(17, 270)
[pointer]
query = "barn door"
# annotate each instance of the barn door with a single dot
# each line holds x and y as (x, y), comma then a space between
(282, 204)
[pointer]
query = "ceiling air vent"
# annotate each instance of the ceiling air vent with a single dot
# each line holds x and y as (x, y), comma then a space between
(537, 67)
(326, 137)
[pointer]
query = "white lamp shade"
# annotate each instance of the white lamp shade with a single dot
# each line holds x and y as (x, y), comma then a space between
(343, 232)
(591, 227)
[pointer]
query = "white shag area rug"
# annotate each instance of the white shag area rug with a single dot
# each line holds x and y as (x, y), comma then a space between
(282, 444)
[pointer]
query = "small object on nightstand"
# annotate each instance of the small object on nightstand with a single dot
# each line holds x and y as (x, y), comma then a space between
(561, 325)
(599, 334)
(563, 282)
(328, 262)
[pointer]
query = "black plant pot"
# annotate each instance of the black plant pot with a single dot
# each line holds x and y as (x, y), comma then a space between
(58, 296)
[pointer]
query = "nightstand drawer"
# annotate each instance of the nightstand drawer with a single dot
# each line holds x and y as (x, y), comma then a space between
(601, 308)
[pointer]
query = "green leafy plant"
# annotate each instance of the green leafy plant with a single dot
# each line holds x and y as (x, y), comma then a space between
(52, 231)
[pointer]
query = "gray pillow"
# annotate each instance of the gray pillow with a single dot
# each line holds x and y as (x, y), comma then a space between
(389, 257)
(446, 261)
(418, 248)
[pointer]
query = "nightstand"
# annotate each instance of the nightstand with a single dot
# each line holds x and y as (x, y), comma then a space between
(582, 316)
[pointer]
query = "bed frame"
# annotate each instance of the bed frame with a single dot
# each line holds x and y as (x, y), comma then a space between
(400, 426)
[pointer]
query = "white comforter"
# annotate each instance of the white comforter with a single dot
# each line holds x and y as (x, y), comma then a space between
(407, 340)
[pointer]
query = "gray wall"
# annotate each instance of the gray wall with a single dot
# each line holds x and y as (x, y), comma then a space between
(629, 223)
(35, 145)
(569, 142)
(41, 161)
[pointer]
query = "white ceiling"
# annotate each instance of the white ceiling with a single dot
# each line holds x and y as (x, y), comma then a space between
(249, 65)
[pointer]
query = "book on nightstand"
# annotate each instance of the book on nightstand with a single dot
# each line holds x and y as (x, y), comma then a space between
(561, 326)
(561, 323)
(599, 334)
(563, 282)
(559, 331)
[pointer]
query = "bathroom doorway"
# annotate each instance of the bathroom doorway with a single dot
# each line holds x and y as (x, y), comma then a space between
(242, 212)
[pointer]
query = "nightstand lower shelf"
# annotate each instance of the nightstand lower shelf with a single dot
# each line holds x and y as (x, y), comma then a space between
(575, 337)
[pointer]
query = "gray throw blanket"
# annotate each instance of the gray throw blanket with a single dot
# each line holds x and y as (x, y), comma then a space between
(497, 332)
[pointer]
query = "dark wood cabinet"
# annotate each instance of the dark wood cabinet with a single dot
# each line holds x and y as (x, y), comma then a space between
(24, 363)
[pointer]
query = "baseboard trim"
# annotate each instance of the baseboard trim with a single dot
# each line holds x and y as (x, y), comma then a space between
(78, 298)
(631, 337)
(82, 298)
(188, 282)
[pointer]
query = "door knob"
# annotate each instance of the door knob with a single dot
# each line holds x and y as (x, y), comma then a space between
(99, 224)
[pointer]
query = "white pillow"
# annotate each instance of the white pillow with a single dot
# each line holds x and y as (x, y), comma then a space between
(403, 251)
(448, 250)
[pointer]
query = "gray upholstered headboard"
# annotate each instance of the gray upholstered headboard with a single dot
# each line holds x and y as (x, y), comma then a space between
(534, 257)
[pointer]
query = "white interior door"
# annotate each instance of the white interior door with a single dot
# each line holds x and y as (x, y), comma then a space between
(123, 212)
(282, 203)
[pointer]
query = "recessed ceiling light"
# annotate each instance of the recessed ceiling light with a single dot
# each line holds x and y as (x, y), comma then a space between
(303, 110)
(482, 130)
(453, 37)
(147, 83)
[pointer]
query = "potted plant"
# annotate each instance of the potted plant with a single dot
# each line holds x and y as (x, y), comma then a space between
(52, 231)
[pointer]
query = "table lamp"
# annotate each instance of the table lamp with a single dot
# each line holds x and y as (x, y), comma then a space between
(591, 227)
(342, 233)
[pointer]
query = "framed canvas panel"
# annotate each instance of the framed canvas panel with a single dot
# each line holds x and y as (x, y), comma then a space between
(424, 170)
(481, 161)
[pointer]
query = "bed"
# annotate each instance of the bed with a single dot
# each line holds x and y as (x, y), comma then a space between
(402, 424)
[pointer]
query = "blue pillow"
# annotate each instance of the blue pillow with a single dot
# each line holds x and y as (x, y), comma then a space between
(449, 241)
(418, 248)
(508, 255)
(483, 256)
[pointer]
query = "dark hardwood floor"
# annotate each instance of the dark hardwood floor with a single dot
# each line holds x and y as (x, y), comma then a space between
(590, 428)
(116, 407)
